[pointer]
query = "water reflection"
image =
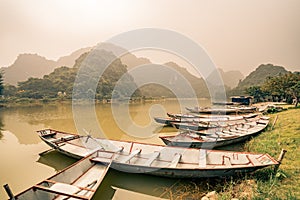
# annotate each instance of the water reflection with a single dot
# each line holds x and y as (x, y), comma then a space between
(140, 183)
(121, 193)
(1, 125)
(56, 160)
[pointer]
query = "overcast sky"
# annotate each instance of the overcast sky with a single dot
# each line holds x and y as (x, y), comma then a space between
(236, 34)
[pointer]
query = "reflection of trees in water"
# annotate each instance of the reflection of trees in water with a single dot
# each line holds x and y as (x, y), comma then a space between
(1, 125)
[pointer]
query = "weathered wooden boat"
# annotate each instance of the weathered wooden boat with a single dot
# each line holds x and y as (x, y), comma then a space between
(78, 181)
(222, 111)
(179, 115)
(225, 103)
(208, 123)
(168, 121)
(217, 137)
(244, 109)
(134, 157)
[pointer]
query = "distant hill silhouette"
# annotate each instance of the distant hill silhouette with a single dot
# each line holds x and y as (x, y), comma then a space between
(257, 77)
(27, 65)
(230, 78)
(34, 65)
(177, 78)
(69, 60)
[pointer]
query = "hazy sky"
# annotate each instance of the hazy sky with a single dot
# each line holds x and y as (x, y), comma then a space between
(236, 34)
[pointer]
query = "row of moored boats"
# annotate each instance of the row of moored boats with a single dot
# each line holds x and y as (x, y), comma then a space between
(188, 154)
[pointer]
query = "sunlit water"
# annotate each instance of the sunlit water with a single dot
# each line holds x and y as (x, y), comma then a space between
(21, 166)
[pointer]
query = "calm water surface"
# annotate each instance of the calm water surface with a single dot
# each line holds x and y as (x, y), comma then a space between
(21, 166)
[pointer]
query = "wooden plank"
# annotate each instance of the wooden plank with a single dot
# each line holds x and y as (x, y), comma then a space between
(82, 188)
(175, 160)
(152, 158)
(46, 189)
(202, 158)
(129, 157)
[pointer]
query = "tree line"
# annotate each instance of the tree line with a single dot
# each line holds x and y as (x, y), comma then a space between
(285, 87)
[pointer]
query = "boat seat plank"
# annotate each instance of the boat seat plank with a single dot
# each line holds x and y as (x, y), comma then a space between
(129, 157)
(254, 161)
(152, 158)
(202, 158)
(226, 161)
(67, 186)
(227, 132)
(175, 160)
(242, 129)
(64, 139)
(69, 192)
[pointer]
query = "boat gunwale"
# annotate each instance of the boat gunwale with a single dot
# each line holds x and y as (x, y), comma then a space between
(60, 172)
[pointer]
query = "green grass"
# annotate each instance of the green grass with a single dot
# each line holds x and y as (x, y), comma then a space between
(262, 184)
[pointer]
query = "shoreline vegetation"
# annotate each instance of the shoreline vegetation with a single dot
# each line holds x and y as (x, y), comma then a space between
(264, 183)
(28, 102)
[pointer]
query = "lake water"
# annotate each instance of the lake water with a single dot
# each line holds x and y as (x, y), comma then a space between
(21, 166)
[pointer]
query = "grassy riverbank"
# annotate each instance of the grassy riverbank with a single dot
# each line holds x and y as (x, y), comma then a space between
(262, 184)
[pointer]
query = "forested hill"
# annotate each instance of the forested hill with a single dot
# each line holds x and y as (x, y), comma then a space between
(257, 77)
(176, 78)
(61, 81)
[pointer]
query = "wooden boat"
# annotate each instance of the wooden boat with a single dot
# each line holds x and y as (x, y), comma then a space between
(226, 103)
(179, 115)
(208, 123)
(134, 157)
(217, 137)
(78, 181)
(168, 121)
(223, 111)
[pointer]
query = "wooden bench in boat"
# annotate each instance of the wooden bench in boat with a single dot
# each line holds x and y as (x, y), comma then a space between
(175, 160)
(64, 139)
(130, 156)
(242, 129)
(65, 189)
(202, 158)
(152, 158)
(238, 131)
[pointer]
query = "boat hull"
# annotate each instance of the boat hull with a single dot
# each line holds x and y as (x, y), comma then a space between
(159, 160)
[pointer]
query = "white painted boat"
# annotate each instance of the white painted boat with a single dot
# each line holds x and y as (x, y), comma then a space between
(208, 123)
(78, 181)
(226, 110)
(134, 157)
(168, 121)
(217, 137)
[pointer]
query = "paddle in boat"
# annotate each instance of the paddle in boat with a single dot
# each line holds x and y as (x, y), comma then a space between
(159, 160)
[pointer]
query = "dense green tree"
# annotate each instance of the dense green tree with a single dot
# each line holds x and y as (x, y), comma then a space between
(286, 86)
(37, 88)
(9, 91)
(257, 93)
